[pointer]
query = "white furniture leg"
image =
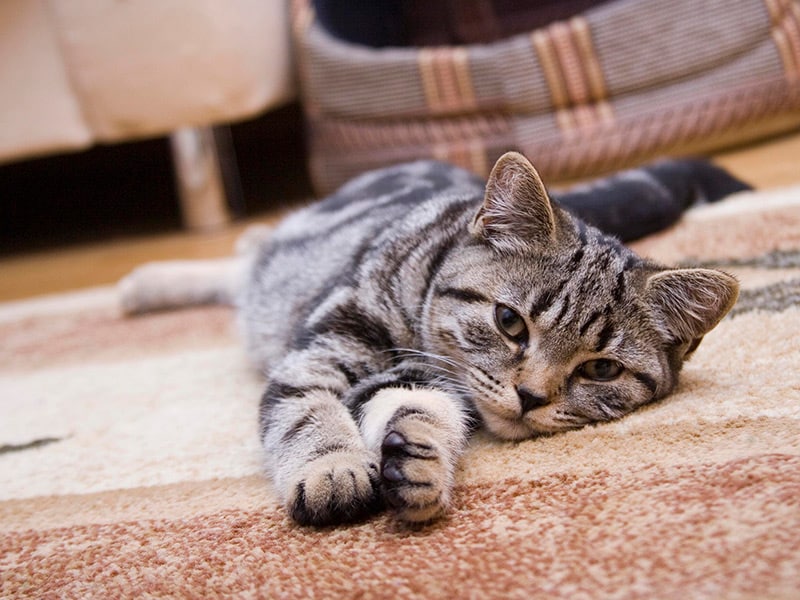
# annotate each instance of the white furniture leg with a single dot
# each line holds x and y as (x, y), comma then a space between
(201, 185)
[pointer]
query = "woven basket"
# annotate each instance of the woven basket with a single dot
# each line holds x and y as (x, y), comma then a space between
(624, 82)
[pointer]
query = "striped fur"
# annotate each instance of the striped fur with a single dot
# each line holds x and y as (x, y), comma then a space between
(416, 303)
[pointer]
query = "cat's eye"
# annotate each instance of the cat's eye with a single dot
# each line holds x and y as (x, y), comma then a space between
(601, 369)
(510, 323)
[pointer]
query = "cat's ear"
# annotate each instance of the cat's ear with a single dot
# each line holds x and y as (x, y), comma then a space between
(516, 213)
(688, 303)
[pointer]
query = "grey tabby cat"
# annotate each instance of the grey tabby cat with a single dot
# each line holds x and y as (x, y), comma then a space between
(418, 303)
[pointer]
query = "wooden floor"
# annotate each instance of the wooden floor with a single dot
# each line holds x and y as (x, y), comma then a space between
(775, 163)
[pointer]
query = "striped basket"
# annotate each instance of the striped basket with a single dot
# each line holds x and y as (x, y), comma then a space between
(627, 81)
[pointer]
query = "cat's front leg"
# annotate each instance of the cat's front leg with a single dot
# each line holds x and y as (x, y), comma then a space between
(318, 461)
(420, 434)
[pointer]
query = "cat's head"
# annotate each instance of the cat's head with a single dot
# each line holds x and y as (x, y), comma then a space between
(551, 325)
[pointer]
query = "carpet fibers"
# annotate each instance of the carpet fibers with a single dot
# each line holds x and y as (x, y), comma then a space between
(130, 464)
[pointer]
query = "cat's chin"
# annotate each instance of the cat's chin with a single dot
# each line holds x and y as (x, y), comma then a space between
(516, 429)
(506, 429)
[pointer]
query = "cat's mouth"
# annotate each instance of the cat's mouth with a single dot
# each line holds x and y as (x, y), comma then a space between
(542, 421)
(504, 428)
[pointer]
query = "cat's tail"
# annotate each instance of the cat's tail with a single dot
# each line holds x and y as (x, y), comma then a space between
(637, 202)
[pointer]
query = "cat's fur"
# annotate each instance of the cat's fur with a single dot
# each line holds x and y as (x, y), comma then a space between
(417, 303)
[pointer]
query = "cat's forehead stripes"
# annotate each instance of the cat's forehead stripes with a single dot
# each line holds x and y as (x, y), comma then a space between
(586, 289)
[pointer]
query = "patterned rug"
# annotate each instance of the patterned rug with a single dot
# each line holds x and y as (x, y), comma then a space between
(130, 464)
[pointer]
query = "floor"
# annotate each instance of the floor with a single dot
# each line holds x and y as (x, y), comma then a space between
(773, 163)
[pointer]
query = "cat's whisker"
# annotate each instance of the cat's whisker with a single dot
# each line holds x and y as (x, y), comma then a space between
(430, 358)
(430, 355)
(453, 379)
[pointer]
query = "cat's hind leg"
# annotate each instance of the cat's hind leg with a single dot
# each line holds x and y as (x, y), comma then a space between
(166, 285)
(178, 283)
(420, 434)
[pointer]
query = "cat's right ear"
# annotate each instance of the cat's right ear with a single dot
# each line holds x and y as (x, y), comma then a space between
(516, 213)
(688, 303)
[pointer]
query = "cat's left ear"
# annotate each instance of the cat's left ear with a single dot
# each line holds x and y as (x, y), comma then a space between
(688, 303)
(516, 213)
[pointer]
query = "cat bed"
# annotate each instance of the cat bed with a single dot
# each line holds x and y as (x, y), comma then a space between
(614, 85)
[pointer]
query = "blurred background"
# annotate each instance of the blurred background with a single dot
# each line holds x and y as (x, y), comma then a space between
(136, 131)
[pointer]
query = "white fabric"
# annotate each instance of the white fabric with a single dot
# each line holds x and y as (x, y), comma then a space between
(74, 73)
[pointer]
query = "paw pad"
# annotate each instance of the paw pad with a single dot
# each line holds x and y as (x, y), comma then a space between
(415, 480)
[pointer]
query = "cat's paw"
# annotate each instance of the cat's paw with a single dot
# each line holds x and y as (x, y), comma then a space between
(339, 487)
(135, 290)
(416, 473)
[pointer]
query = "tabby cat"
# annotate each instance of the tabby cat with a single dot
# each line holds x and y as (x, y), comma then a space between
(419, 302)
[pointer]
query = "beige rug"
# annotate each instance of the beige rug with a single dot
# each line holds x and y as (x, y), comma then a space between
(130, 464)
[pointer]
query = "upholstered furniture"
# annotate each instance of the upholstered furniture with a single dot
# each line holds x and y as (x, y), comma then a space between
(73, 74)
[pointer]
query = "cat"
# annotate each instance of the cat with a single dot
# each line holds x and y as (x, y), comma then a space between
(418, 303)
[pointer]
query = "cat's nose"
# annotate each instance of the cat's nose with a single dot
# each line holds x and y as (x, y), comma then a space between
(528, 400)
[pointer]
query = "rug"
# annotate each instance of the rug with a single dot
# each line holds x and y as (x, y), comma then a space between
(130, 464)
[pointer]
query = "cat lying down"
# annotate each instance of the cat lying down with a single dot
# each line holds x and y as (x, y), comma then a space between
(418, 303)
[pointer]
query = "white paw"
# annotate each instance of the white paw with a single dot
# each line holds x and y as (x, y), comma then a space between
(339, 487)
(134, 290)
